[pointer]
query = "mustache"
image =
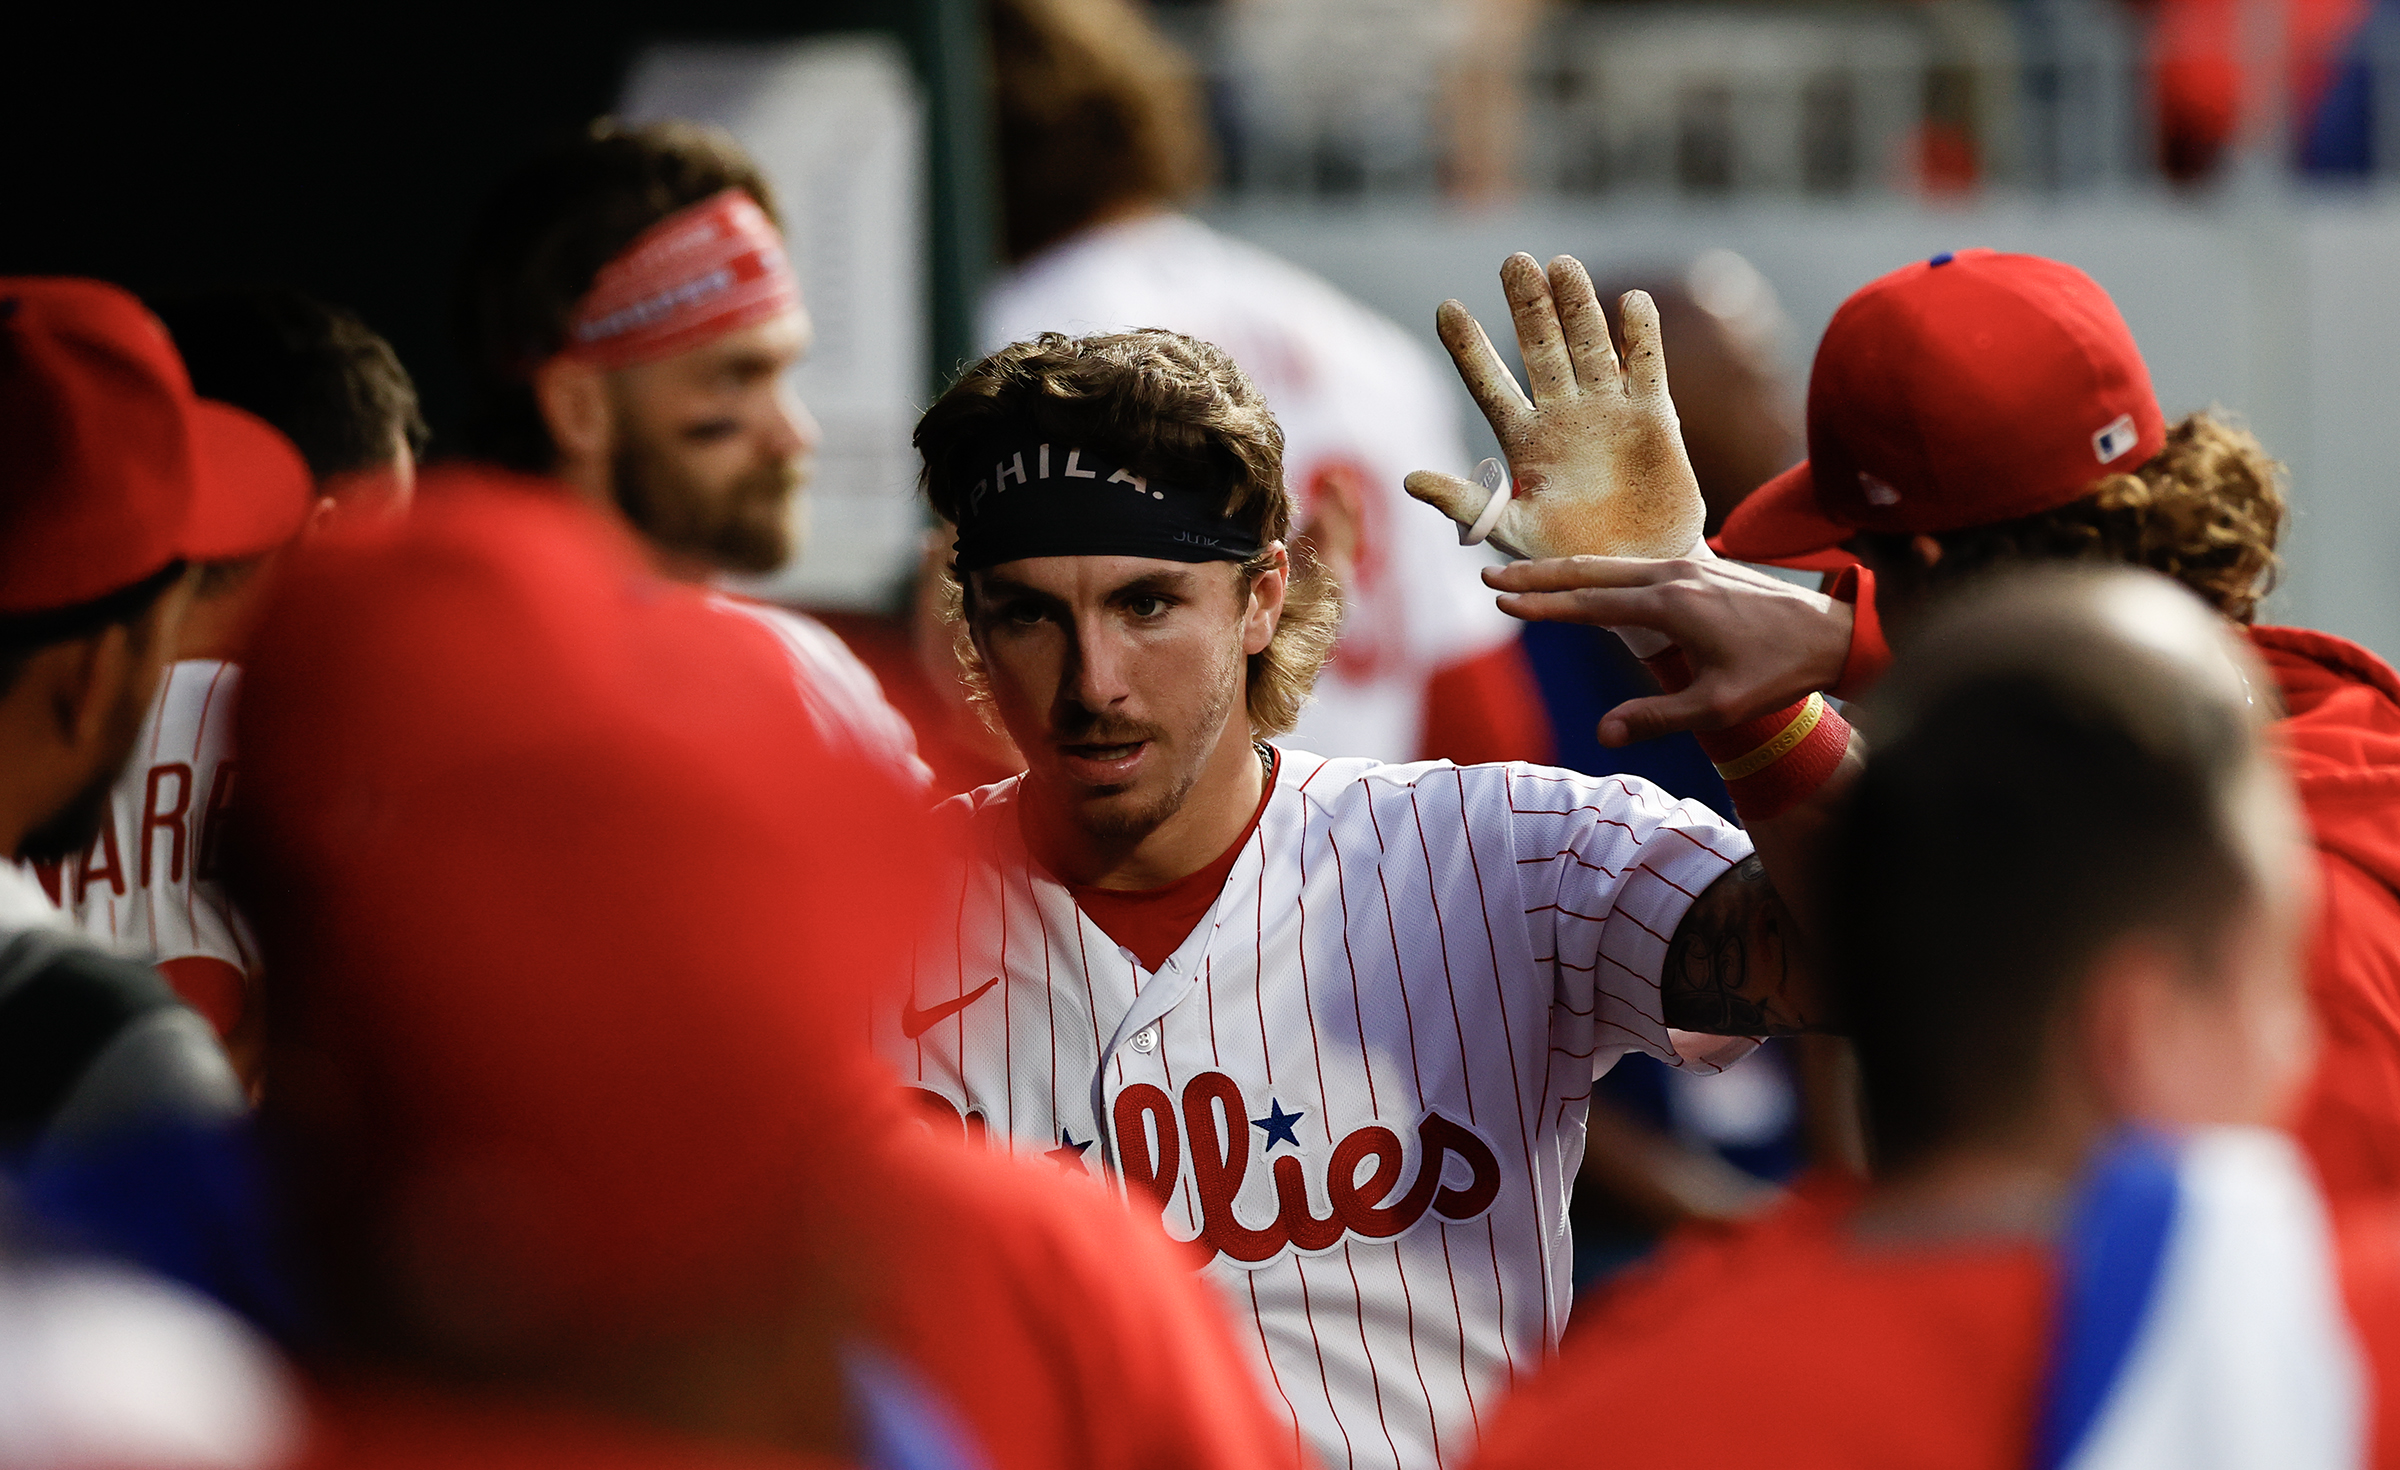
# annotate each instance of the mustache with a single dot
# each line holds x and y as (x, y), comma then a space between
(773, 480)
(1093, 730)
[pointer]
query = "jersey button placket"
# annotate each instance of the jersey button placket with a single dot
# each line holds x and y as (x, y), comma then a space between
(1140, 1032)
(1145, 1040)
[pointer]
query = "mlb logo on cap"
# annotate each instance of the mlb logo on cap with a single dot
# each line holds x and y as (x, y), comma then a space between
(1958, 391)
(2117, 440)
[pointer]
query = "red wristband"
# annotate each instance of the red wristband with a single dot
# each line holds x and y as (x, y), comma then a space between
(1770, 764)
(1802, 748)
(1868, 656)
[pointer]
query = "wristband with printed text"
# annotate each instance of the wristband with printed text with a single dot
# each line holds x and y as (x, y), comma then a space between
(1775, 762)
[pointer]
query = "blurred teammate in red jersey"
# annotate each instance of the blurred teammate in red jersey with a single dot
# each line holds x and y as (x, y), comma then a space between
(588, 1157)
(1935, 456)
(629, 320)
(2064, 925)
(150, 882)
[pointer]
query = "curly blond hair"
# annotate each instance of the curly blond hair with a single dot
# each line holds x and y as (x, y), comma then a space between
(2206, 510)
(1171, 407)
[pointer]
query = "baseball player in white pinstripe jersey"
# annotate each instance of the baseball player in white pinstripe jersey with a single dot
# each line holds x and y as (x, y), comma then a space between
(1336, 1020)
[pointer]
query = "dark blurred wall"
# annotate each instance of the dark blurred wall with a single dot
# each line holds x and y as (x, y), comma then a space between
(344, 154)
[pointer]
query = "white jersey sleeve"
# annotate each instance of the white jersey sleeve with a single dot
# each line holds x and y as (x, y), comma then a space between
(843, 696)
(1359, 1086)
(1608, 867)
(151, 886)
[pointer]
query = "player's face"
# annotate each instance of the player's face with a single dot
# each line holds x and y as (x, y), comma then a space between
(712, 445)
(1119, 677)
(131, 660)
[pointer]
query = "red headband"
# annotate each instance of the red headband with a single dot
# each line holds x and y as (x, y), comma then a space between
(715, 267)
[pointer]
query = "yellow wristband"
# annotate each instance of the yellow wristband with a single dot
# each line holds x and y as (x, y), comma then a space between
(1786, 740)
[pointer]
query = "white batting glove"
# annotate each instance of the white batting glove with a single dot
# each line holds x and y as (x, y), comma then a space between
(1597, 452)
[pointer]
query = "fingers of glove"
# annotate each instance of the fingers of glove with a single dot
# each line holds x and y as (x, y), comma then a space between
(1660, 714)
(1548, 371)
(1566, 573)
(1645, 351)
(1495, 389)
(1585, 325)
(1460, 500)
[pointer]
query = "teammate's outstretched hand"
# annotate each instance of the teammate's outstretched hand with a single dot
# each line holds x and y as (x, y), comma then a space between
(1597, 453)
(1754, 643)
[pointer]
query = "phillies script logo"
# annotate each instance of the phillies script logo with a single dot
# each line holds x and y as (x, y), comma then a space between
(1215, 1123)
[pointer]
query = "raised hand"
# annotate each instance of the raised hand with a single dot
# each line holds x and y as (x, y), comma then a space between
(1753, 643)
(1596, 452)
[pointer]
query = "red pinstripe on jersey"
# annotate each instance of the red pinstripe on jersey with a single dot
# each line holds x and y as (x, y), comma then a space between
(167, 907)
(1364, 886)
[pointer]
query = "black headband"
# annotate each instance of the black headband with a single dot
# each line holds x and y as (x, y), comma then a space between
(1063, 500)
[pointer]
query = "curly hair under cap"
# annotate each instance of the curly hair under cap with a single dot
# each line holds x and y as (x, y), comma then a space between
(1172, 408)
(2206, 510)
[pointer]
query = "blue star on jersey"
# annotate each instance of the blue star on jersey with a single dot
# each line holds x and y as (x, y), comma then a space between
(1279, 1125)
(1069, 1153)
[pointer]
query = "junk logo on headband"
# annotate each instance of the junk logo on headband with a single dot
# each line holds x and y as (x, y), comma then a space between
(708, 269)
(1067, 500)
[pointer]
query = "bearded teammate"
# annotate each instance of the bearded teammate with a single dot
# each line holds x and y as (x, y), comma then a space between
(1336, 1020)
(629, 316)
(150, 883)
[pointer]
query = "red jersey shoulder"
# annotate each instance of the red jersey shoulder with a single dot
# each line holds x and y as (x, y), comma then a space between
(1030, 1293)
(2307, 662)
(1792, 1344)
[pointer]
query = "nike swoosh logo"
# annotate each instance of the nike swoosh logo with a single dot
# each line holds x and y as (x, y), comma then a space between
(915, 1023)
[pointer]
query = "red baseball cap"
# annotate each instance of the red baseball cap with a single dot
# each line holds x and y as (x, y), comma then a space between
(569, 919)
(110, 467)
(1964, 390)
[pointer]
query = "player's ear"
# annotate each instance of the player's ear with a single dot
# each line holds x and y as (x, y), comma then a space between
(83, 681)
(1265, 606)
(2133, 1030)
(69, 679)
(573, 397)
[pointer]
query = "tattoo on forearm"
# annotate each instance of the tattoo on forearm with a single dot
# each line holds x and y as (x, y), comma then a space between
(1735, 966)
